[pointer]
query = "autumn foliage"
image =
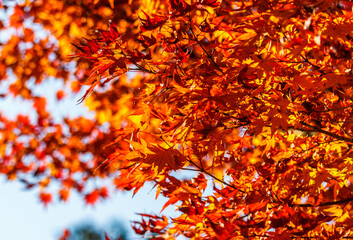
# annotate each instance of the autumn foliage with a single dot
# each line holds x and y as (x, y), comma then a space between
(238, 112)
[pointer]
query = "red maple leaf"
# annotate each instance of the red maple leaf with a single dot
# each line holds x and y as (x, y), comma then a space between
(65, 235)
(151, 23)
(162, 157)
(45, 198)
(92, 197)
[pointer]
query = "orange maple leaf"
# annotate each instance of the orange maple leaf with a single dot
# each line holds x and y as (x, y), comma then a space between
(111, 3)
(161, 157)
(64, 194)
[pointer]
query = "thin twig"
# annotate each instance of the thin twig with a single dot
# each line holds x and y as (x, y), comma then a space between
(214, 177)
(204, 50)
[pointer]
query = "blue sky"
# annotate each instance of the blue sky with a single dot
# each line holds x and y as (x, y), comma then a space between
(23, 217)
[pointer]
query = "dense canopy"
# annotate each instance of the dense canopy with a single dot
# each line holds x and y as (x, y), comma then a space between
(239, 112)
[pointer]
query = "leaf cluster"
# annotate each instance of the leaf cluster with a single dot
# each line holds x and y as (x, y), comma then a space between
(238, 113)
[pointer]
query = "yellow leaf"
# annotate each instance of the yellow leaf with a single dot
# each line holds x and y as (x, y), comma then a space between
(335, 211)
(291, 137)
(250, 33)
(104, 116)
(343, 217)
(75, 30)
(133, 155)
(274, 19)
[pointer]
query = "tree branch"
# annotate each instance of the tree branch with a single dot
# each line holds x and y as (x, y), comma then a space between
(347, 200)
(316, 129)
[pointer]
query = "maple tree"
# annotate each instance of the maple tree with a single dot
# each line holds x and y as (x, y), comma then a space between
(237, 111)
